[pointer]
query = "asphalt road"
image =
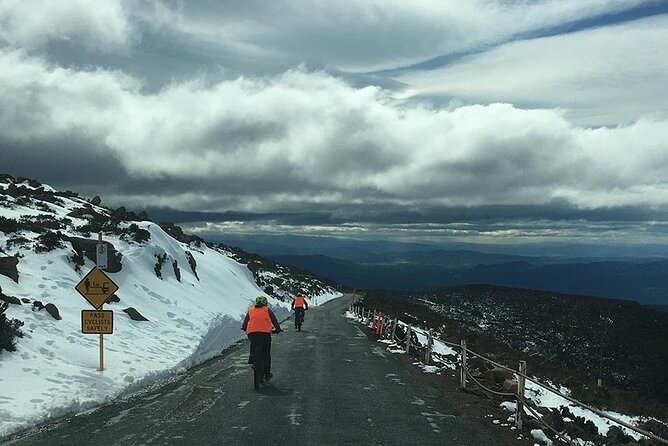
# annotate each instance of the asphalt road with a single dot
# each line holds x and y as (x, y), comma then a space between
(333, 385)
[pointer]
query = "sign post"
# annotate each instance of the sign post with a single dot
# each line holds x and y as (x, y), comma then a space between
(96, 287)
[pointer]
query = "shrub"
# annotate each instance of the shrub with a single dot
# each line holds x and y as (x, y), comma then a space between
(49, 241)
(9, 330)
(8, 225)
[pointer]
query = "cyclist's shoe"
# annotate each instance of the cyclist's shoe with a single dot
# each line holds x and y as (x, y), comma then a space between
(250, 359)
(268, 376)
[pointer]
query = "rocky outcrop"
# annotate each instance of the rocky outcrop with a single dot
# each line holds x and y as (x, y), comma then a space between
(192, 263)
(161, 259)
(88, 247)
(177, 271)
(8, 267)
(9, 299)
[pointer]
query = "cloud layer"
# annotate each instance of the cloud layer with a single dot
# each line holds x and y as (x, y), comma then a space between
(514, 140)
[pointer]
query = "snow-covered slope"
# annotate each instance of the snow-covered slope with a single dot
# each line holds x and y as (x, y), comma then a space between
(193, 312)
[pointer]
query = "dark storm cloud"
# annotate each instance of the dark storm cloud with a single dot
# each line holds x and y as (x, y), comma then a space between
(395, 214)
(62, 161)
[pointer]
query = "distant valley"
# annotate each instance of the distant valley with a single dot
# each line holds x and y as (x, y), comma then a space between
(420, 267)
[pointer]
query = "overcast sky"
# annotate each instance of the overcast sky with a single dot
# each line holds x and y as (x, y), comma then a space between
(478, 120)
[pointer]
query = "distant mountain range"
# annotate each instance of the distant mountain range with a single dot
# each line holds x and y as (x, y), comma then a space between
(606, 272)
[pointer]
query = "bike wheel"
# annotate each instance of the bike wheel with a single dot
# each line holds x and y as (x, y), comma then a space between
(258, 369)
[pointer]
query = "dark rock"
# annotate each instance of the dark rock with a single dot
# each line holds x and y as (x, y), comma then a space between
(10, 299)
(96, 201)
(37, 305)
(162, 258)
(120, 213)
(8, 267)
(81, 212)
(192, 263)
(113, 298)
(88, 246)
(143, 216)
(25, 300)
(53, 311)
(134, 314)
(177, 271)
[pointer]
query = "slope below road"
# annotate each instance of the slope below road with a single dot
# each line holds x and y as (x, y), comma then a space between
(333, 384)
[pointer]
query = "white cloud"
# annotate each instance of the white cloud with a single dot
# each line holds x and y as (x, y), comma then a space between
(102, 25)
(265, 144)
(604, 76)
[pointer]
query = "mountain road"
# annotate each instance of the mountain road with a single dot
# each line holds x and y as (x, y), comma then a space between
(333, 384)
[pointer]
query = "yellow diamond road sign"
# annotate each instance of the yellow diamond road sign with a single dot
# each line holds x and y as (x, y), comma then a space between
(96, 287)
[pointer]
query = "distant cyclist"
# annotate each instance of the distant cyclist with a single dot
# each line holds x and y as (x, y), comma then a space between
(258, 324)
(299, 304)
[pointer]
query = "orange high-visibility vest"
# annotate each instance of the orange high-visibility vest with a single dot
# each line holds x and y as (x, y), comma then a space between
(299, 302)
(259, 320)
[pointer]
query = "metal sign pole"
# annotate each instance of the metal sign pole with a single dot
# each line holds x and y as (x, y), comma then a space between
(101, 369)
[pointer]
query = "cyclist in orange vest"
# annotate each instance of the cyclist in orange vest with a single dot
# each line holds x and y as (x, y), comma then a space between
(299, 304)
(258, 323)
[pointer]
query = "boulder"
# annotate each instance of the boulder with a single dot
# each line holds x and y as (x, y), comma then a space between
(8, 267)
(113, 298)
(509, 385)
(134, 314)
(96, 201)
(53, 311)
(497, 375)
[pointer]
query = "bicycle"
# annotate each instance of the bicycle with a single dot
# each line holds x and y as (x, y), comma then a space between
(299, 318)
(258, 365)
(258, 368)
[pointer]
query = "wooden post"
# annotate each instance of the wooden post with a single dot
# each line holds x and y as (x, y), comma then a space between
(381, 332)
(408, 339)
(101, 369)
(394, 329)
(520, 394)
(430, 341)
(463, 369)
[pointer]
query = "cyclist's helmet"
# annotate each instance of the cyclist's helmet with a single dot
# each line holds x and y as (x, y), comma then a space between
(261, 300)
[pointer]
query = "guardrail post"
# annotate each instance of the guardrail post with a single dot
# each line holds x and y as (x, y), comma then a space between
(430, 341)
(408, 339)
(463, 365)
(382, 326)
(394, 329)
(520, 394)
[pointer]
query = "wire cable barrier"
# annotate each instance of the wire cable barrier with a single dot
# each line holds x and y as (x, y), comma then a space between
(380, 322)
